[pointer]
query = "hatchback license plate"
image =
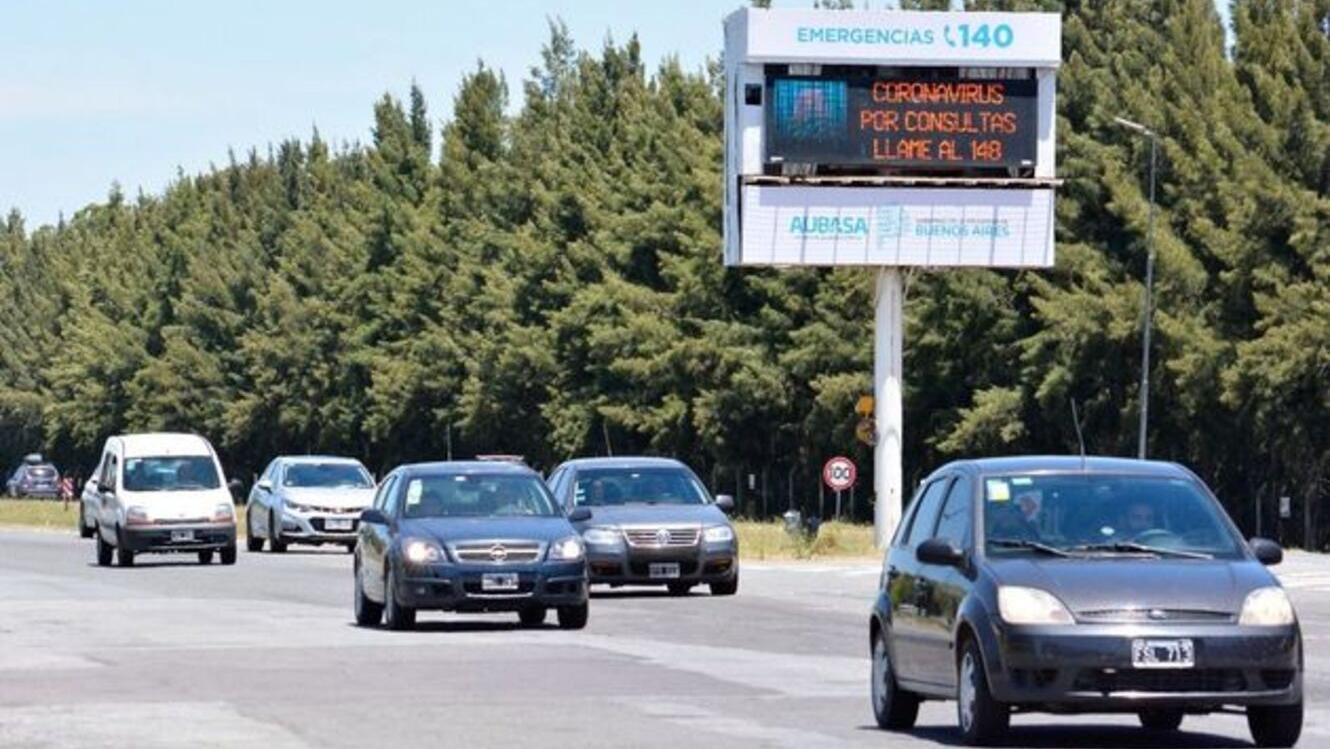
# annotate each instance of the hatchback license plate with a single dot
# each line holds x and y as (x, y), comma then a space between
(498, 581)
(1163, 654)
(663, 571)
(181, 536)
(337, 524)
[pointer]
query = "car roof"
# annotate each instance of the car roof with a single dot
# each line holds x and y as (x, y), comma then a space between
(627, 461)
(318, 459)
(160, 444)
(467, 467)
(1067, 464)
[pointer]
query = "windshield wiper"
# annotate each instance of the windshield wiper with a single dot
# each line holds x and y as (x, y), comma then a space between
(1020, 543)
(1129, 547)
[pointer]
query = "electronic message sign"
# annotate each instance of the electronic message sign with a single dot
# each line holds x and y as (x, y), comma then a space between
(902, 121)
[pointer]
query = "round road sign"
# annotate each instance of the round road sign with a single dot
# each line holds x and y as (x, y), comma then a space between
(839, 473)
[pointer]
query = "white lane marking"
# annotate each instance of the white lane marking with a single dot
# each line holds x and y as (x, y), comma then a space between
(123, 724)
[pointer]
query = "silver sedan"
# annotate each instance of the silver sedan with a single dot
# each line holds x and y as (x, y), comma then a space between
(308, 500)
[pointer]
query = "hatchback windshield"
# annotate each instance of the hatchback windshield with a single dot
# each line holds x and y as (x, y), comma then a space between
(471, 495)
(622, 486)
(167, 474)
(326, 476)
(1092, 514)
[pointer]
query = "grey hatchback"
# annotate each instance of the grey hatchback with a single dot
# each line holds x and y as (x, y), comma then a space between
(1081, 585)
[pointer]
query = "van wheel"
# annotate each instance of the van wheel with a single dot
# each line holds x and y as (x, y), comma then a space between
(1275, 725)
(84, 530)
(1160, 719)
(368, 613)
(124, 556)
(104, 550)
(573, 617)
(395, 615)
(228, 554)
(894, 708)
(275, 543)
(205, 557)
(252, 541)
(983, 720)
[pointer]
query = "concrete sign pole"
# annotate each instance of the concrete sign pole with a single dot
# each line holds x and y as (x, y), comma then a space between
(888, 335)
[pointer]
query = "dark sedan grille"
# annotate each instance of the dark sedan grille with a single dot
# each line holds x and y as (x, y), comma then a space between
(497, 552)
(662, 538)
(1107, 681)
(1161, 616)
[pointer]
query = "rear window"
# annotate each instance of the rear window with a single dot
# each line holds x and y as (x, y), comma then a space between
(42, 472)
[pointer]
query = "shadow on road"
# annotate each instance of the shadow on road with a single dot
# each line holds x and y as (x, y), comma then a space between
(1083, 736)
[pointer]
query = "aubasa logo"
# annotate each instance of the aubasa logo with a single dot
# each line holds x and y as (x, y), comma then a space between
(816, 226)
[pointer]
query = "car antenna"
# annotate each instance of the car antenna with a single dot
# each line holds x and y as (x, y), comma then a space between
(1080, 438)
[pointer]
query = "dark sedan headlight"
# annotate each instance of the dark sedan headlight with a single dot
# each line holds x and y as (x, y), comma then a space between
(1267, 607)
(567, 550)
(1019, 605)
(603, 536)
(421, 551)
(718, 534)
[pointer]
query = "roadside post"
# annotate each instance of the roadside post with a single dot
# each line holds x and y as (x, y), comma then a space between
(889, 140)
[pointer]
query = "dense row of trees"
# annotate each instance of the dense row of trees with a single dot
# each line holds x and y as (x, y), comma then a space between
(545, 279)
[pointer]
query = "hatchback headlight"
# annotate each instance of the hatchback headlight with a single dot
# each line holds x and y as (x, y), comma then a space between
(223, 513)
(718, 534)
(566, 549)
(1267, 607)
(1031, 606)
(420, 551)
(136, 516)
(602, 536)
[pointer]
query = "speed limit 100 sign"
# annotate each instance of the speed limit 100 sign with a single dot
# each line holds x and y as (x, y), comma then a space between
(839, 473)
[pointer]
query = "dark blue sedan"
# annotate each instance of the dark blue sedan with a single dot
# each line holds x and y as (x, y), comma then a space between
(470, 537)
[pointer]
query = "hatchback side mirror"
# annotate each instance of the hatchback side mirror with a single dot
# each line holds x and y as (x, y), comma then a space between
(579, 515)
(373, 516)
(1267, 552)
(940, 551)
(725, 502)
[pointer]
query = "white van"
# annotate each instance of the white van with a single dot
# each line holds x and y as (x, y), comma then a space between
(163, 493)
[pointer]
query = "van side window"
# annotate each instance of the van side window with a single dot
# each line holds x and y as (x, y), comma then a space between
(109, 474)
(925, 518)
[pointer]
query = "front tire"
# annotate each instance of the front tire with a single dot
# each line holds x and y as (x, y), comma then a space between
(124, 556)
(205, 557)
(726, 587)
(1275, 725)
(573, 617)
(228, 554)
(368, 613)
(532, 617)
(894, 708)
(680, 589)
(1161, 719)
(104, 550)
(983, 720)
(275, 543)
(84, 530)
(252, 541)
(395, 615)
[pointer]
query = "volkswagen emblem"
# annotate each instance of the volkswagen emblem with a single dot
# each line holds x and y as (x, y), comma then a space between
(1157, 614)
(498, 553)
(662, 537)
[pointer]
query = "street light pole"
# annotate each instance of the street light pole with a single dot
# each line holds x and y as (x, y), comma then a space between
(1149, 283)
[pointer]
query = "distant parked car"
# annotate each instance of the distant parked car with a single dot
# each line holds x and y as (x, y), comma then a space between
(1075, 585)
(34, 478)
(308, 500)
(468, 536)
(163, 493)
(651, 522)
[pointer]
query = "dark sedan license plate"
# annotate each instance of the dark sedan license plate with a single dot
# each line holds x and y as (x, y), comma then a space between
(498, 582)
(663, 571)
(180, 537)
(1163, 654)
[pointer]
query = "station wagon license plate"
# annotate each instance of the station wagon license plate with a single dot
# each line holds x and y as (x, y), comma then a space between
(663, 571)
(498, 582)
(178, 537)
(338, 524)
(1163, 654)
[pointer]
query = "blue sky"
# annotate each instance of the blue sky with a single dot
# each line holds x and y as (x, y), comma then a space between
(92, 92)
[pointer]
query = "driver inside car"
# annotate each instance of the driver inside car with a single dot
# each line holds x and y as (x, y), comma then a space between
(1138, 518)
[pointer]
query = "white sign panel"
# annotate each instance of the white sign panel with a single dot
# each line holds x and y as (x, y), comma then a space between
(896, 226)
(901, 37)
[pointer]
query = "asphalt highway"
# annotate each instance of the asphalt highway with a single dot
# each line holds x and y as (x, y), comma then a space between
(264, 654)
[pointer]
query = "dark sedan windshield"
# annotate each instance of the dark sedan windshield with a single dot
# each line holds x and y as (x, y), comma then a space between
(471, 495)
(1093, 514)
(326, 475)
(170, 474)
(603, 487)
